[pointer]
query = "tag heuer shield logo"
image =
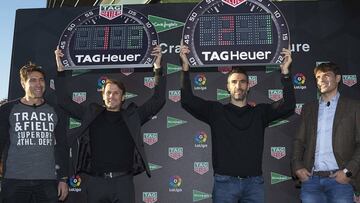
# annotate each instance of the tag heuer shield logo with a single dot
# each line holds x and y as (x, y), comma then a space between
(201, 167)
(275, 95)
(149, 197)
(298, 108)
(278, 152)
(349, 80)
(110, 11)
(150, 138)
(174, 95)
(176, 152)
(149, 82)
(234, 3)
(79, 97)
(252, 80)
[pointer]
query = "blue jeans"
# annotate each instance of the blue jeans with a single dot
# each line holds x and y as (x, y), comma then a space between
(24, 191)
(325, 190)
(228, 189)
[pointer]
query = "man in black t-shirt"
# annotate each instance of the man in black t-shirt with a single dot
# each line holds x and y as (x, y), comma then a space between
(237, 131)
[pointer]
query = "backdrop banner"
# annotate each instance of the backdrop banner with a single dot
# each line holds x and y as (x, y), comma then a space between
(178, 146)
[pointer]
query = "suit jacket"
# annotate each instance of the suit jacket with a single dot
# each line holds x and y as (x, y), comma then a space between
(133, 116)
(345, 137)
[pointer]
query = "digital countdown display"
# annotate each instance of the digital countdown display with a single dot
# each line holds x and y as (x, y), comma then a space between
(235, 32)
(115, 37)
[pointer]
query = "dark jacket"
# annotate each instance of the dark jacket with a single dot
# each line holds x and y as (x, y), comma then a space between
(345, 137)
(61, 148)
(134, 117)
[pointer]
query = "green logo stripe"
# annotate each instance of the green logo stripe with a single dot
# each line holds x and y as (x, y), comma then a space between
(198, 196)
(164, 24)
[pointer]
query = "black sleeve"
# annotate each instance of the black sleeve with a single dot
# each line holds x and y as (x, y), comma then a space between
(285, 106)
(62, 153)
(4, 125)
(64, 100)
(196, 106)
(153, 105)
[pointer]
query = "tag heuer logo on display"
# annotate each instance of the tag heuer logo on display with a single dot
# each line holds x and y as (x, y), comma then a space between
(252, 80)
(275, 94)
(150, 138)
(149, 82)
(174, 95)
(149, 197)
(278, 152)
(176, 152)
(234, 3)
(79, 97)
(349, 80)
(198, 196)
(201, 167)
(298, 108)
(278, 178)
(110, 11)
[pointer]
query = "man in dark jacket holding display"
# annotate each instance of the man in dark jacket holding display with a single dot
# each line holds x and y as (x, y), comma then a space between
(111, 149)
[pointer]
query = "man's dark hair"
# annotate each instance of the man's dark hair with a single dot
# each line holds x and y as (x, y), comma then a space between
(120, 85)
(29, 68)
(325, 67)
(238, 70)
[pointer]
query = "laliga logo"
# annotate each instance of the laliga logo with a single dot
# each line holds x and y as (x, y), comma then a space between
(200, 137)
(200, 80)
(75, 181)
(175, 182)
(101, 83)
(299, 79)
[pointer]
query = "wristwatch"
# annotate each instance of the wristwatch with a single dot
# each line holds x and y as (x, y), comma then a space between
(286, 76)
(347, 172)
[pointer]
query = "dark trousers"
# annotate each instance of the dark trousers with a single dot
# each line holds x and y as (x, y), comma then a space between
(111, 190)
(24, 191)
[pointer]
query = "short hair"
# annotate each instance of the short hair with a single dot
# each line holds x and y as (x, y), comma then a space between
(325, 67)
(120, 85)
(238, 70)
(29, 68)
